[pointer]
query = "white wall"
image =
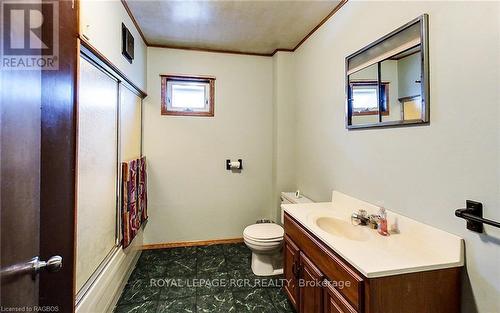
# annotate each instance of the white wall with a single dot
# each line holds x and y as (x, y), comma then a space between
(283, 129)
(422, 172)
(101, 22)
(191, 194)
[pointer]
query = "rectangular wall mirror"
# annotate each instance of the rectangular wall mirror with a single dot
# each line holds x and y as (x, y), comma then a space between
(387, 82)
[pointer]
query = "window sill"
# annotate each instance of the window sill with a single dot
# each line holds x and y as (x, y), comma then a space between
(186, 113)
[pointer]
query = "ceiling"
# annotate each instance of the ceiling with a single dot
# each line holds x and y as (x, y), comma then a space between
(252, 26)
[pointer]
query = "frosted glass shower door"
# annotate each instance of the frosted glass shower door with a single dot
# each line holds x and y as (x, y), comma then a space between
(97, 169)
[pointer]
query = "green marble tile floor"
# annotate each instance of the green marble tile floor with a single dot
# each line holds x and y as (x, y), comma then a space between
(214, 278)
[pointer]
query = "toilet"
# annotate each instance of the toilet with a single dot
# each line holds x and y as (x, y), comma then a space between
(266, 239)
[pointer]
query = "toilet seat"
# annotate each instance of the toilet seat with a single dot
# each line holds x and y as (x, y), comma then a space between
(263, 244)
(270, 241)
(264, 232)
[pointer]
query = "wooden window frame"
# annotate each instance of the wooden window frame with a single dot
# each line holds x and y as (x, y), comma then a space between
(187, 78)
(385, 85)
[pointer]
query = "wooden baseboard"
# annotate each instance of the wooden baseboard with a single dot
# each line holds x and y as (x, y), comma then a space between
(190, 243)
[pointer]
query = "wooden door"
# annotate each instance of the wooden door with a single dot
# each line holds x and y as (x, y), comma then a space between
(20, 184)
(37, 167)
(291, 260)
(311, 290)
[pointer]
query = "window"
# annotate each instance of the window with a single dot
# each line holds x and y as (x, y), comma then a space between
(364, 98)
(187, 95)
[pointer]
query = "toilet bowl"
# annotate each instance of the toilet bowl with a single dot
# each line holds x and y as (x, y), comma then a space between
(265, 241)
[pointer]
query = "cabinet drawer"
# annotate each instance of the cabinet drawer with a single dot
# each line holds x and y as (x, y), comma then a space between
(330, 264)
(335, 303)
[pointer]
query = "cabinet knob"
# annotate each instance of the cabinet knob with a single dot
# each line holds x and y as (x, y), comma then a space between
(296, 270)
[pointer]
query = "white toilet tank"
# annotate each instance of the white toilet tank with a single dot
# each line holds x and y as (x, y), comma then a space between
(291, 198)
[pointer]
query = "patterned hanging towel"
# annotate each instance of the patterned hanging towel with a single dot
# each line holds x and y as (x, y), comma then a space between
(134, 198)
(143, 190)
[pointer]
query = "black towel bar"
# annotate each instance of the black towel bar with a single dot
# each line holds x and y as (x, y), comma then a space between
(473, 213)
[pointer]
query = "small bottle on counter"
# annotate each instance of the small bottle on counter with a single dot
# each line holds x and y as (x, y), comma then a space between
(382, 225)
(394, 229)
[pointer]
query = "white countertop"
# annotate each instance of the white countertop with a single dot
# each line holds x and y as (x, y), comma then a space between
(418, 247)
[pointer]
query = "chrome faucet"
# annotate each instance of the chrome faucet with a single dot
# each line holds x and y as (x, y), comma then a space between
(359, 218)
(362, 218)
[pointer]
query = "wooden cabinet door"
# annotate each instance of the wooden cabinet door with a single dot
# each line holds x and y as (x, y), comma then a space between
(311, 290)
(331, 306)
(335, 302)
(291, 265)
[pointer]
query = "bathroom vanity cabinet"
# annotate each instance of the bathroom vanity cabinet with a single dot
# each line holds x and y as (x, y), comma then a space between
(320, 281)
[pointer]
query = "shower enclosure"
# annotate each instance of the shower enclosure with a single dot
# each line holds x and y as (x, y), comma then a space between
(108, 133)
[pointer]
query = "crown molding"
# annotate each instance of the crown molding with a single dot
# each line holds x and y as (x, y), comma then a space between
(212, 50)
(323, 21)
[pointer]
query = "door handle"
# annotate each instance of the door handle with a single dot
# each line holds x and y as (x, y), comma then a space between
(33, 267)
(296, 270)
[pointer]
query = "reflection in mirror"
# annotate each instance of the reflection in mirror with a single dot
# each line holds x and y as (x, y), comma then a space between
(403, 73)
(389, 77)
(363, 95)
(387, 80)
(412, 108)
(409, 88)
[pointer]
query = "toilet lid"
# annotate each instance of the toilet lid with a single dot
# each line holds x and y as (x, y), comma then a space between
(264, 231)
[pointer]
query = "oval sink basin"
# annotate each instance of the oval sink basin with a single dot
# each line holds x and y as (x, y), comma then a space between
(342, 228)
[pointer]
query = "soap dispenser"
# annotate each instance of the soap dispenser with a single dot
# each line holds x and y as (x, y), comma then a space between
(382, 225)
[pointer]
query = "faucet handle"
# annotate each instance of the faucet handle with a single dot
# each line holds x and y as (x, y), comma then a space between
(373, 221)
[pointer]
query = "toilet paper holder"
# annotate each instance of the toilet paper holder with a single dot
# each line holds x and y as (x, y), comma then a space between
(229, 166)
